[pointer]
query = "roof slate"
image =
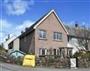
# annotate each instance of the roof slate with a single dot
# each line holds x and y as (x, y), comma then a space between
(31, 28)
(78, 32)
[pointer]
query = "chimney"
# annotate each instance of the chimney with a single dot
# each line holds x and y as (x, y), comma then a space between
(22, 32)
(8, 37)
(26, 29)
(76, 24)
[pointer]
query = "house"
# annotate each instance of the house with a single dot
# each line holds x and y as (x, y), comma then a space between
(48, 36)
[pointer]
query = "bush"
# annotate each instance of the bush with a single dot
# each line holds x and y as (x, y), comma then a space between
(2, 50)
(83, 58)
(82, 54)
(53, 61)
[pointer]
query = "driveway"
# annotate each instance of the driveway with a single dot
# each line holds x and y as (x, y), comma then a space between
(10, 67)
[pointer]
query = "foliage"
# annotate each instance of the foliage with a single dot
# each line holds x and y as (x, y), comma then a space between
(83, 33)
(2, 51)
(83, 58)
(82, 54)
(1, 48)
(77, 54)
(53, 61)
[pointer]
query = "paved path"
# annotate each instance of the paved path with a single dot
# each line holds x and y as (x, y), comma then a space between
(10, 67)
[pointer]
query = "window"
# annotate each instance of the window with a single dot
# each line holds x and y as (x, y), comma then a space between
(62, 52)
(42, 51)
(58, 52)
(54, 51)
(57, 36)
(42, 34)
(69, 52)
(10, 45)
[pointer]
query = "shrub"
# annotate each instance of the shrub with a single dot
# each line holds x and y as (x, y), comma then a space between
(83, 58)
(82, 54)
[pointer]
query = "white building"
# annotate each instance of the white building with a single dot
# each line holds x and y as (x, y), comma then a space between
(7, 42)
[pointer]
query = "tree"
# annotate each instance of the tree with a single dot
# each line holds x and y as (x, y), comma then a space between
(2, 50)
(83, 34)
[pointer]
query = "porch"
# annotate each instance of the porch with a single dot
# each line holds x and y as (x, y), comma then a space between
(61, 52)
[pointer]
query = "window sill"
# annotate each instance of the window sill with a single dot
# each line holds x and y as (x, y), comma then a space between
(42, 38)
(57, 40)
(42, 55)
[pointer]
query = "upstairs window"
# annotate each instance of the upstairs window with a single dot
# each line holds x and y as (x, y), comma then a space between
(57, 36)
(42, 34)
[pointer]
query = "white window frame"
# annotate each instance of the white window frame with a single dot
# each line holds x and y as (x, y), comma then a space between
(62, 52)
(41, 51)
(55, 52)
(69, 52)
(42, 34)
(57, 36)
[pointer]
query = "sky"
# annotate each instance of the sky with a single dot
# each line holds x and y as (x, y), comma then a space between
(16, 15)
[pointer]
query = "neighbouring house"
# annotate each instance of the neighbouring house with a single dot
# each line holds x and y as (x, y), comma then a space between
(8, 41)
(78, 38)
(49, 36)
(14, 45)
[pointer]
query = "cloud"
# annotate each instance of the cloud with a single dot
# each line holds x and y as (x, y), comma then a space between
(10, 28)
(69, 23)
(1, 37)
(17, 7)
(4, 24)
